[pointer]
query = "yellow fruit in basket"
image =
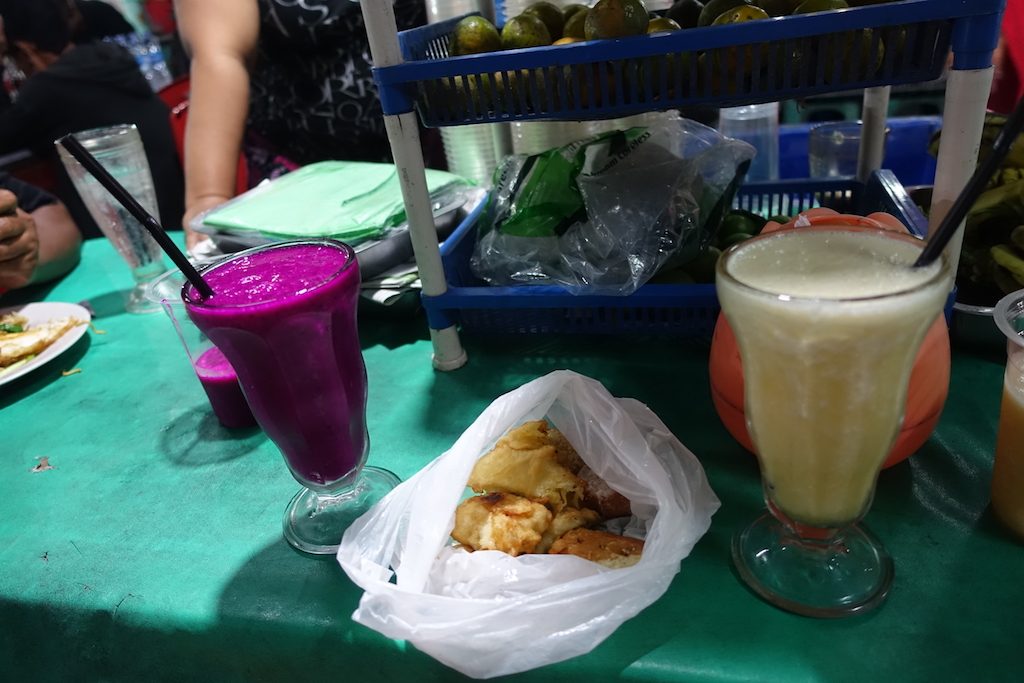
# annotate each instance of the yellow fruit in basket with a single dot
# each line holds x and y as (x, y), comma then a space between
(662, 25)
(473, 35)
(551, 15)
(778, 8)
(574, 25)
(686, 13)
(713, 9)
(569, 10)
(524, 31)
(568, 40)
(811, 6)
(616, 19)
(850, 52)
(731, 56)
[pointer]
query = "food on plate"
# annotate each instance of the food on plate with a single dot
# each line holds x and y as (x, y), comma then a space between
(20, 340)
(610, 550)
(526, 463)
(535, 490)
(500, 521)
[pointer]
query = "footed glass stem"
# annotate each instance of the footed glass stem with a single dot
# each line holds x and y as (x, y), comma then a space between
(814, 572)
(315, 522)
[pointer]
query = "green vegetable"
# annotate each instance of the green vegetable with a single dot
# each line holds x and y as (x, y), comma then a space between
(11, 328)
(742, 221)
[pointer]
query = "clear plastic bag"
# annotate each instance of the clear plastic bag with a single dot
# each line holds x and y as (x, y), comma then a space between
(486, 613)
(602, 215)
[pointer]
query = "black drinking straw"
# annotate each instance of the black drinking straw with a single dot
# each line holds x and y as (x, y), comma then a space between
(75, 148)
(975, 186)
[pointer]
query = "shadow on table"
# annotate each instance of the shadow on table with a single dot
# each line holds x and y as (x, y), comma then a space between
(107, 304)
(195, 438)
(296, 609)
(45, 374)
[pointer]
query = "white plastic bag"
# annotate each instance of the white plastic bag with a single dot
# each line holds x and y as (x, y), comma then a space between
(488, 614)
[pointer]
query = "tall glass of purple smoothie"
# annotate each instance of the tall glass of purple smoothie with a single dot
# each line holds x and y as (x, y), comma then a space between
(284, 315)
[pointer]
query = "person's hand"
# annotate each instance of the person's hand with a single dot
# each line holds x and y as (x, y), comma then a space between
(19, 243)
(192, 238)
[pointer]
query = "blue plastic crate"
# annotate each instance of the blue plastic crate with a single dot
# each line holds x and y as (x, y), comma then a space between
(906, 149)
(759, 61)
(679, 310)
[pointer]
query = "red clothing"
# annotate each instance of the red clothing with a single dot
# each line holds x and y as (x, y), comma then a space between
(1008, 85)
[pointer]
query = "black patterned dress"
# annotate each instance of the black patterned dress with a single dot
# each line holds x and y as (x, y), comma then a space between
(312, 91)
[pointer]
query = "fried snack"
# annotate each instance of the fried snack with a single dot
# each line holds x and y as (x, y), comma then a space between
(566, 520)
(610, 550)
(565, 454)
(500, 521)
(524, 463)
(16, 346)
(599, 496)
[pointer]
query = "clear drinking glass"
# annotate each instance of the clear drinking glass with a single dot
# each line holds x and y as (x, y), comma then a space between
(833, 148)
(828, 321)
(119, 149)
(285, 317)
(215, 374)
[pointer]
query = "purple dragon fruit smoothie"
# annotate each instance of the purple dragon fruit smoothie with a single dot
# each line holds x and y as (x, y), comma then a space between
(221, 385)
(285, 318)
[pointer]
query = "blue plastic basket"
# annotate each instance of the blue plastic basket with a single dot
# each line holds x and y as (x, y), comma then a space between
(759, 61)
(679, 310)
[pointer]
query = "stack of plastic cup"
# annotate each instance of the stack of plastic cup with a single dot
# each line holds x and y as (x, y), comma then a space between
(757, 124)
(473, 151)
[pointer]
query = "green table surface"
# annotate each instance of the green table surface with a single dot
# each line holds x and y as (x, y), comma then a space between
(153, 549)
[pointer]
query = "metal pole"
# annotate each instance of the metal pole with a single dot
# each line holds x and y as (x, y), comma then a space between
(874, 117)
(962, 121)
(404, 136)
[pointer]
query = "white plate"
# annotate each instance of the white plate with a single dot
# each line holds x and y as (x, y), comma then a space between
(40, 313)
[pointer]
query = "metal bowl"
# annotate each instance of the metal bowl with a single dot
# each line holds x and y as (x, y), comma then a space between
(974, 328)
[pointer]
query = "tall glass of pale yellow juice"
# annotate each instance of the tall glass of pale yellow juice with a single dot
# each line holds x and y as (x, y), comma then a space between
(828, 320)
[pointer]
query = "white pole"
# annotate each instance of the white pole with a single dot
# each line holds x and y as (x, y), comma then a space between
(963, 118)
(404, 136)
(874, 117)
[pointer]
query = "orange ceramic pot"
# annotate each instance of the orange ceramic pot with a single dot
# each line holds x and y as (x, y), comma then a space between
(926, 394)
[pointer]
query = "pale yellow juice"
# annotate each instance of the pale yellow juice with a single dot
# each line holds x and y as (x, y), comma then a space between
(828, 324)
(1008, 471)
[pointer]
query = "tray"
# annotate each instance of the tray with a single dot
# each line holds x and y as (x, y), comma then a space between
(677, 310)
(759, 61)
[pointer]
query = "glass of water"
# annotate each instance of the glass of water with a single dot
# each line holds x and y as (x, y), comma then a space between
(119, 149)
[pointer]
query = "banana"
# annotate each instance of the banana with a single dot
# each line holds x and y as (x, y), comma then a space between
(1006, 257)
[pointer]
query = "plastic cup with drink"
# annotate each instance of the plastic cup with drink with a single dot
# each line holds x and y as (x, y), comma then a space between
(1008, 469)
(213, 370)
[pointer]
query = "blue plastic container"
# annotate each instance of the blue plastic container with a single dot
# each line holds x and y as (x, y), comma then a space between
(906, 149)
(680, 310)
(758, 61)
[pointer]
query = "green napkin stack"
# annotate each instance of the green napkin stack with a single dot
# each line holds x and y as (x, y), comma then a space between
(347, 200)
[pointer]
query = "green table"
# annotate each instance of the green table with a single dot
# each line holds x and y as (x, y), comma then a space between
(153, 549)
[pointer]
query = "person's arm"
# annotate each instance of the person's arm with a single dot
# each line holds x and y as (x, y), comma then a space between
(220, 36)
(60, 242)
(19, 244)
(37, 246)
